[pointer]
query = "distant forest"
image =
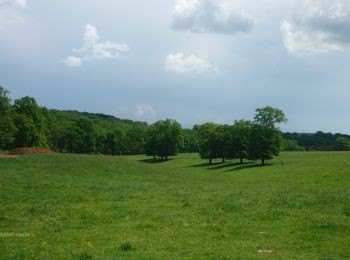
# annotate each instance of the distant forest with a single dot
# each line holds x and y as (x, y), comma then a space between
(23, 123)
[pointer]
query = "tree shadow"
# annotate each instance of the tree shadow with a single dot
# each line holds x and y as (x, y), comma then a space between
(226, 165)
(249, 166)
(237, 166)
(153, 161)
(202, 165)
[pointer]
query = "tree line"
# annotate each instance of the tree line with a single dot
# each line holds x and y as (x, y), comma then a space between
(23, 123)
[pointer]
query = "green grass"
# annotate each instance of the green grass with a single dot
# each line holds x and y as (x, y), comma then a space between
(78, 206)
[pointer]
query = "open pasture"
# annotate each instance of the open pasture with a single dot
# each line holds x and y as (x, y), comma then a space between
(86, 207)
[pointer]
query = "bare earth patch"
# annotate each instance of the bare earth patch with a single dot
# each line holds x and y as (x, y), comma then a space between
(29, 150)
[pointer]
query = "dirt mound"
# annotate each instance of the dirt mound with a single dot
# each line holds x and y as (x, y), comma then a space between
(29, 150)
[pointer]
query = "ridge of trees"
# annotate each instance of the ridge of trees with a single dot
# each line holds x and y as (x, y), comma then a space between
(24, 123)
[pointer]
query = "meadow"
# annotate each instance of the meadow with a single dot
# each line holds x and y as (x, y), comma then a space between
(89, 206)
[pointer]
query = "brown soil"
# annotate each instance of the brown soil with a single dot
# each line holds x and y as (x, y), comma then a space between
(29, 150)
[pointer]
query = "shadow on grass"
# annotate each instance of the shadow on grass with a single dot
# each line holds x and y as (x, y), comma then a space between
(155, 160)
(202, 165)
(226, 165)
(236, 166)
(249, 166)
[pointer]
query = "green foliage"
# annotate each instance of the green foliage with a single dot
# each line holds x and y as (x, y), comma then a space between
(291, 145)
(81, 136)
(342, 144)
(208, 141)
(30, 123)
(190, 144)
(265, 139)
(7, 126)
(268, 117)
(316, 142)
(110, 135)
(254, 140)
(114, 142)
(164, 138)
(239, 140)
(65, 206)
(264, 143)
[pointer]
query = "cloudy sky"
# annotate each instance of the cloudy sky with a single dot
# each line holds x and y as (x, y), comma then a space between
(190, 60)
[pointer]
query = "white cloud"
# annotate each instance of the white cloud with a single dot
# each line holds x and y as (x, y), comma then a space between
(210, 16)
(10, 13)
(93, 48)
(13, 3)
(145, 111)
(73, 62)
(191, 64)
(317, 26)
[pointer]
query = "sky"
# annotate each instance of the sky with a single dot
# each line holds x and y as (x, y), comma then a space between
(190, 60)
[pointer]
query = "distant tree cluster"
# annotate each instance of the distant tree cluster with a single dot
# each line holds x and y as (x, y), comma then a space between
(253, 140)
(164, 138)
(316, 142)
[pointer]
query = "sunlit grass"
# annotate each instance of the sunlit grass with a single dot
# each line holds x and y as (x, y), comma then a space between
(79, 206)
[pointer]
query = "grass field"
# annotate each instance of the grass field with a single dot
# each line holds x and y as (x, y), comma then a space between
(79, 206)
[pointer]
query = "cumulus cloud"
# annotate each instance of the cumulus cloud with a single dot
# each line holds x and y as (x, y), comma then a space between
(318, 26)
(145, 111)
(210, 16)
(93, 48)
(14, 3)
(73, 61)
(191, 64)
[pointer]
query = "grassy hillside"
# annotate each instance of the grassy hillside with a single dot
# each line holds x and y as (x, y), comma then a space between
(79, 206)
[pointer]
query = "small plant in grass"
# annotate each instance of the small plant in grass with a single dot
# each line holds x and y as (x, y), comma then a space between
(125, 246)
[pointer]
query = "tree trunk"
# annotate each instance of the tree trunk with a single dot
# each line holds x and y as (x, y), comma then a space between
(210, 161)
(223, 159)
(263, 161)
(241, 160)
(154, 156)
(166, 158)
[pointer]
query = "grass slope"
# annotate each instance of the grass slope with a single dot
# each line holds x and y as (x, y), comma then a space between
(78, 206)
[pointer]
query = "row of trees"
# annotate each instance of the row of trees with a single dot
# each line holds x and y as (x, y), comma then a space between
(23, 123)
(257, 139)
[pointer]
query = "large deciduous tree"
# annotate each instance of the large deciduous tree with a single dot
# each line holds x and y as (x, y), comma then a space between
(211, 141)
(265, 138)
(164, 138)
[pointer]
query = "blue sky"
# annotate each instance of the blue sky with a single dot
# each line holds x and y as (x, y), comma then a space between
(190, 60)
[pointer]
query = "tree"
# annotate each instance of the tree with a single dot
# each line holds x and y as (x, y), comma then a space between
(211, 141)
(164, 138)
(30, 123)
(342, 144)
(113, 142)
(265, 139)
(7, 126)
(239, 139)
(221, 142)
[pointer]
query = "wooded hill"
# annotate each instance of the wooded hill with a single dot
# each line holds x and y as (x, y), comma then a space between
(23, 123)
